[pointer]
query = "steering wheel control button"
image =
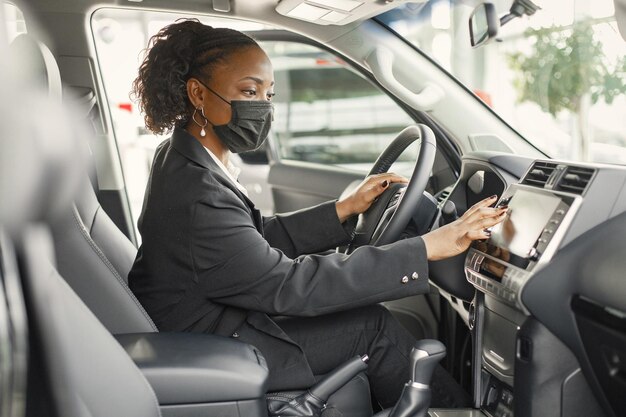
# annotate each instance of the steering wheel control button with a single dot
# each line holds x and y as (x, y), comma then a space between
(415, 275)
(405, 279)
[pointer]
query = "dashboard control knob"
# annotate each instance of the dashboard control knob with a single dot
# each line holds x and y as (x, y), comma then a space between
(504, 201)
(471, 320)
(533, 254)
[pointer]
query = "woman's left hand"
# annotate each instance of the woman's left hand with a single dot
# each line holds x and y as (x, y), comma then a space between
(364, 195)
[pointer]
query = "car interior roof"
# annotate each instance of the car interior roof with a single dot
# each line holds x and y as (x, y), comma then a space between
(256, 10)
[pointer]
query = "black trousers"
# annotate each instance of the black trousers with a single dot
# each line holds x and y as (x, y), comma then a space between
(332, 339)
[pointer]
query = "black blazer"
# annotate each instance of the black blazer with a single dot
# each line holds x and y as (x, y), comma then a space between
(211, 263)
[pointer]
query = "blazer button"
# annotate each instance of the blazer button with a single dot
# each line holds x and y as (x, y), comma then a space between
(415, 275)
(235, 335)
(405, 279)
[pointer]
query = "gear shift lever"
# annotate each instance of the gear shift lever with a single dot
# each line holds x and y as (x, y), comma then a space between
(415, 398)
(424, 358)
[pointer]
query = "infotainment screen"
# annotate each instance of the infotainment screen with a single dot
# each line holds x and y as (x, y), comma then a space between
(528, 214)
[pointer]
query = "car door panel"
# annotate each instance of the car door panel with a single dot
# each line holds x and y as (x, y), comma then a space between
(297, 184)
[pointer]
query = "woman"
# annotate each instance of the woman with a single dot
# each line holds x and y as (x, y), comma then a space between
(210, 263)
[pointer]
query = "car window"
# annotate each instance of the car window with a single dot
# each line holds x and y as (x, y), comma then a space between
(325, 111)
(328, 113)
(14, 20)
(558, 77)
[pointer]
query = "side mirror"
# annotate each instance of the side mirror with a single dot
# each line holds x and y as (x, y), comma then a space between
(483, 24)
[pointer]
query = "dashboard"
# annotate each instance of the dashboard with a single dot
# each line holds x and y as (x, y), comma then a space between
(533, 310)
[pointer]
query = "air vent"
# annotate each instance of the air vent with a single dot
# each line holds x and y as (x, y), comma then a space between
(575, 179)
(539, 174)
(443, 195)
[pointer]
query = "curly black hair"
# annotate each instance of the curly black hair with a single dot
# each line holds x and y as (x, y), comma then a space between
(180, 51)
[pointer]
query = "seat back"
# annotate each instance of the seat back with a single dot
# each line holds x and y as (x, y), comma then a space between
(94, 257)
(75, 365)
(92, 254)
(89, 373)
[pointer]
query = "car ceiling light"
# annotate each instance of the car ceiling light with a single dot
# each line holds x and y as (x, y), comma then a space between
(307, 12)
(337, 12)
(344, 5)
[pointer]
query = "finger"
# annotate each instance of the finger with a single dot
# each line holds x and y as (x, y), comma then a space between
(478, 234)
(389, 176)
(382, 182)
(392, 177)
(480, 223)
(483, 203)
(485, 212)
(374, 189)
(491, 221)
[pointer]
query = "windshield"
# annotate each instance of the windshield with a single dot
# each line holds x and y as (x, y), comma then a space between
(558, 77)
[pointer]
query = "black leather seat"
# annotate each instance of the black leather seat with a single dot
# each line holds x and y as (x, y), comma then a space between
(75, 367)
(94, 257)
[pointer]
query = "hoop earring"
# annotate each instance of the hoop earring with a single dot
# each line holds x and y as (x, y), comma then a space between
(206, 121)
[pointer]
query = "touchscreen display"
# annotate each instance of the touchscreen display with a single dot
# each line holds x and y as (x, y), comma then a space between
(528, 215)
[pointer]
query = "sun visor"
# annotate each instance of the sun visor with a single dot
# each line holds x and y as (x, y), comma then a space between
(336, 12)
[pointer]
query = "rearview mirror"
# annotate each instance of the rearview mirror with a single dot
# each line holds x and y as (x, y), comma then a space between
(483, 24)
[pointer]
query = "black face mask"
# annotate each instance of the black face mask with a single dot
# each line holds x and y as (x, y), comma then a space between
(249, 124)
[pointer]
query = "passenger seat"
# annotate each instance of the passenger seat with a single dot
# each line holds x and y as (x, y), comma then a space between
(66, 364)
(92, 254)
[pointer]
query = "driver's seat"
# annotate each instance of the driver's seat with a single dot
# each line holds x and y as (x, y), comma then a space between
(95, 257)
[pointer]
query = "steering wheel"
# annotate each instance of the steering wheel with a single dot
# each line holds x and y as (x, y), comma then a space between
(389, 215)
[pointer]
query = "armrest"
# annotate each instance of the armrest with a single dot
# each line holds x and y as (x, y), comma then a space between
(188, 368)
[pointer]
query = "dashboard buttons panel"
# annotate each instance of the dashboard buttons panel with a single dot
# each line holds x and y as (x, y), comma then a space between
(495, 268)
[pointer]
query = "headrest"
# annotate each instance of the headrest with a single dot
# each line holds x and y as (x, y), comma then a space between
(36, 65)
(41, 147)
(40, 158)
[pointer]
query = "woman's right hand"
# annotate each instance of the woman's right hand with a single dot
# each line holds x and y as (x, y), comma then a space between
(454, 238)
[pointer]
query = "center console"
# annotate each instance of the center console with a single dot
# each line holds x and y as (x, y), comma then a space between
(499, 268)
(196, 374)
(529, 236)
(524, 336)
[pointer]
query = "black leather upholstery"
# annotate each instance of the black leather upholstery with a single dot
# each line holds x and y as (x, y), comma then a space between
(190, 368)
(352, 400)
(89, 371)
(111, 241)
(78, 362)
(92, 254)
(94, 257)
